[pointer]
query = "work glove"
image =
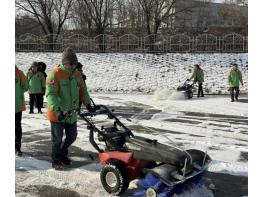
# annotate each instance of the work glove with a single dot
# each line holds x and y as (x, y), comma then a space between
(61, 116)
(97, 107)
(90, 108)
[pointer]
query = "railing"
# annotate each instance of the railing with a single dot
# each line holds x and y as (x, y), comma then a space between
(155, 43)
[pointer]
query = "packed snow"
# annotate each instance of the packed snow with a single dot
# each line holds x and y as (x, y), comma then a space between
(165, 122)
(211, 124)
(126, 73)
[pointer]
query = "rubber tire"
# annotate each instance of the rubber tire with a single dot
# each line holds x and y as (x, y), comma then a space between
(150, 192)
(122, 178)
(190, 95)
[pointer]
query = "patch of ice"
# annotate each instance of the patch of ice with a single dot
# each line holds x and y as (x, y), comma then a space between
(30, 163)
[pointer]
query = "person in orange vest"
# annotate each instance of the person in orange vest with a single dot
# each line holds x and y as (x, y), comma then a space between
(79, 67)
(64, 88)
(21, 85)
(234, 77)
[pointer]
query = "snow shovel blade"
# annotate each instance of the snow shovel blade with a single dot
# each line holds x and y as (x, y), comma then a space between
(170, 175)
(156, 184)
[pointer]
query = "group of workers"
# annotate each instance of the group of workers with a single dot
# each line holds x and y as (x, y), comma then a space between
(234, 78)
(65, 90)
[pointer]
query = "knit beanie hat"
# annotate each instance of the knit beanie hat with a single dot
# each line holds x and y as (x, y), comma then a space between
(69, 57)
(34, 64)
(79, 65)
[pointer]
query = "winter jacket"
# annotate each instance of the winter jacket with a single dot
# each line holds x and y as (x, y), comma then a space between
(234, 77)
(198, 75)
(36, 82)
(21, 87)
(44, 73)
(64, 90)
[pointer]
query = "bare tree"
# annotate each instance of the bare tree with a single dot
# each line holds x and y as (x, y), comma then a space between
(157, 11)
(237, 2)
(26, 24)
(128, 14)
(50, 14)
(81, 16)
(100, 12)
(121, 12)
(135, 14)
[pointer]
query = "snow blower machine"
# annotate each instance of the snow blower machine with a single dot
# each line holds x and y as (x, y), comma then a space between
(160, 168)
(187, 89)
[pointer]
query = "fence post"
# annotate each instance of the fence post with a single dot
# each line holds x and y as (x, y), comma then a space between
(193, 44)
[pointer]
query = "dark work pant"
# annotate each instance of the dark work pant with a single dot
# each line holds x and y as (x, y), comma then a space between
(200, 89)
(41, 100)
(234, 90)
(35, 99)
(59, 148)
(18, 119)
(80, 103)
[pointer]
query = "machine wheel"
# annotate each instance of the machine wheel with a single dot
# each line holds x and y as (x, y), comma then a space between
(114, 178)
(190, 94)
(150, 192)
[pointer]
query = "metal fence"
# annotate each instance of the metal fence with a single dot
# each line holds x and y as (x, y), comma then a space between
(155, 43)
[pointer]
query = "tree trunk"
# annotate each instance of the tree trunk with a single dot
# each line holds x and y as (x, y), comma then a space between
(50, 42)
(101, 39)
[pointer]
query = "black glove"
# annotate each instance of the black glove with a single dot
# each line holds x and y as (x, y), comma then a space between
(97, 107)
(90, 108)
(61, 116)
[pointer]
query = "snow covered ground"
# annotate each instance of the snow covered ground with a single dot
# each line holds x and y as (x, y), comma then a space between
(134, 72)
(211, 124)
(141, 87)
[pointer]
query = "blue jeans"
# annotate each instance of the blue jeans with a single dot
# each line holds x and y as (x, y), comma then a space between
(60, 151)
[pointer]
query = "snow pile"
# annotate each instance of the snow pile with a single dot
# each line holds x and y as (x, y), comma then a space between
(134, 72)
(161, 94)
(233, 168)
(84, 180)
(177, 96)
(166, 94)
(211, 124)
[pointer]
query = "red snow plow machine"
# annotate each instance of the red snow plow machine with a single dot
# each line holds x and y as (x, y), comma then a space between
(161, 169)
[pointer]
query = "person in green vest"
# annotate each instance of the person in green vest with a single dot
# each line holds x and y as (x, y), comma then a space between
(234, 77)
(65, 87)
(36, 81)
(21, 85)
(42, 68)
(198, 76)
